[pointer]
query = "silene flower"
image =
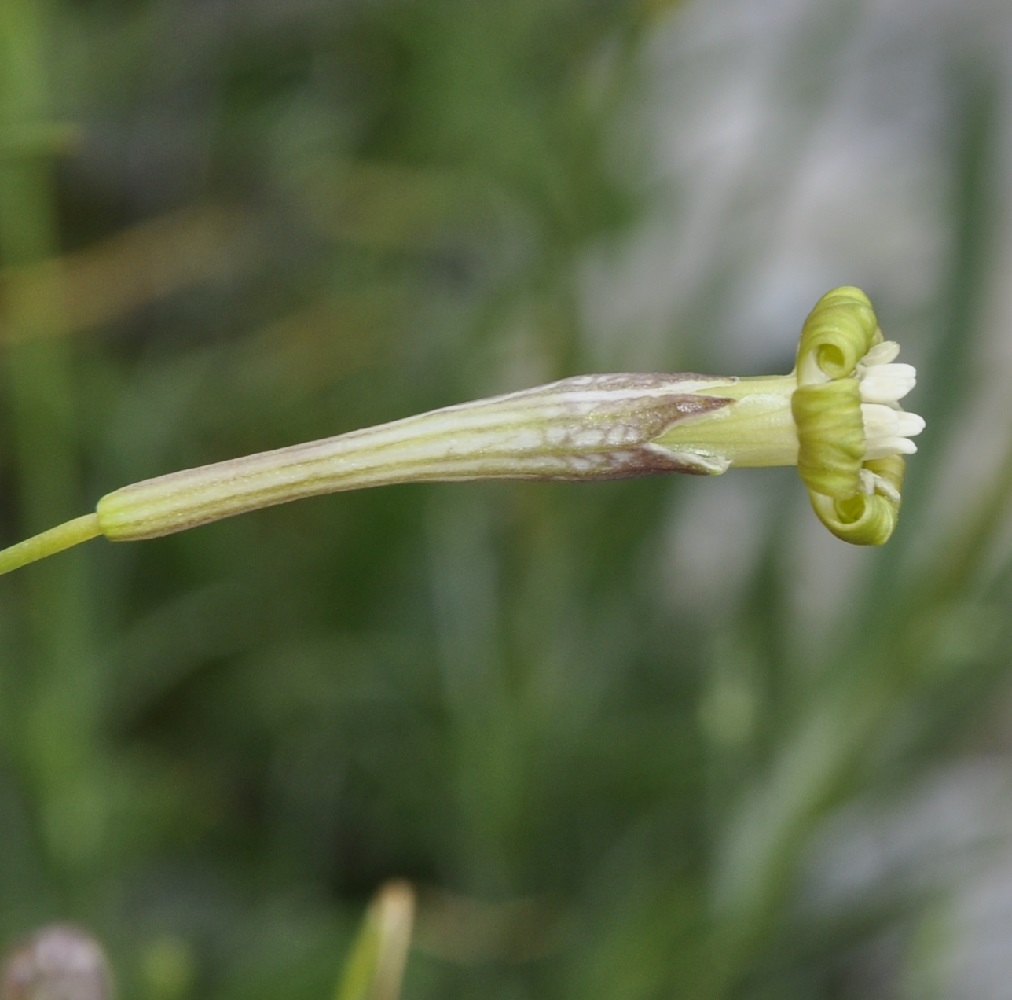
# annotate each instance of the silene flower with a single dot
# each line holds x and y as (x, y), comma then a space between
(837, 417)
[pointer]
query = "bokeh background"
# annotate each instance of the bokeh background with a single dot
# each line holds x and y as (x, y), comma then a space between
(659, 738)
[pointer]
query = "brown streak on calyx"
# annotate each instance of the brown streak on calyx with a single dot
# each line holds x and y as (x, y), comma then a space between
(653, 417)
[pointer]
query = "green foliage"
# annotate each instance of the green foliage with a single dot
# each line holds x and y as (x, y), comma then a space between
(608, 760)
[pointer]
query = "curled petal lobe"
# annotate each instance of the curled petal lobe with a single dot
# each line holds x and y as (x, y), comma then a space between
(837, 335)
(866, 518)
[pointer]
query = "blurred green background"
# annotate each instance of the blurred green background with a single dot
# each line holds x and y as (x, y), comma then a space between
(659, 738)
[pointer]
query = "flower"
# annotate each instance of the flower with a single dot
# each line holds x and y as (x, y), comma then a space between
(845, 366)
(836, 416)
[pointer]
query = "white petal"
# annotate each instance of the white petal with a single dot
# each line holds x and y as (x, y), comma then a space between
(910, 424)
(888, 430)
(871, 483)
(881, 353)
(887, 383)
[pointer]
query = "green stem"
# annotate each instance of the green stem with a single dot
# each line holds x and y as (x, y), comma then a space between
(48, 543)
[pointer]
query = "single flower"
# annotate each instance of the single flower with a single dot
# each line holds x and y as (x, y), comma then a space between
(837, 417)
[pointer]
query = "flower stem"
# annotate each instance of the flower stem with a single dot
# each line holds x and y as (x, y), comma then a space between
(48, 543)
